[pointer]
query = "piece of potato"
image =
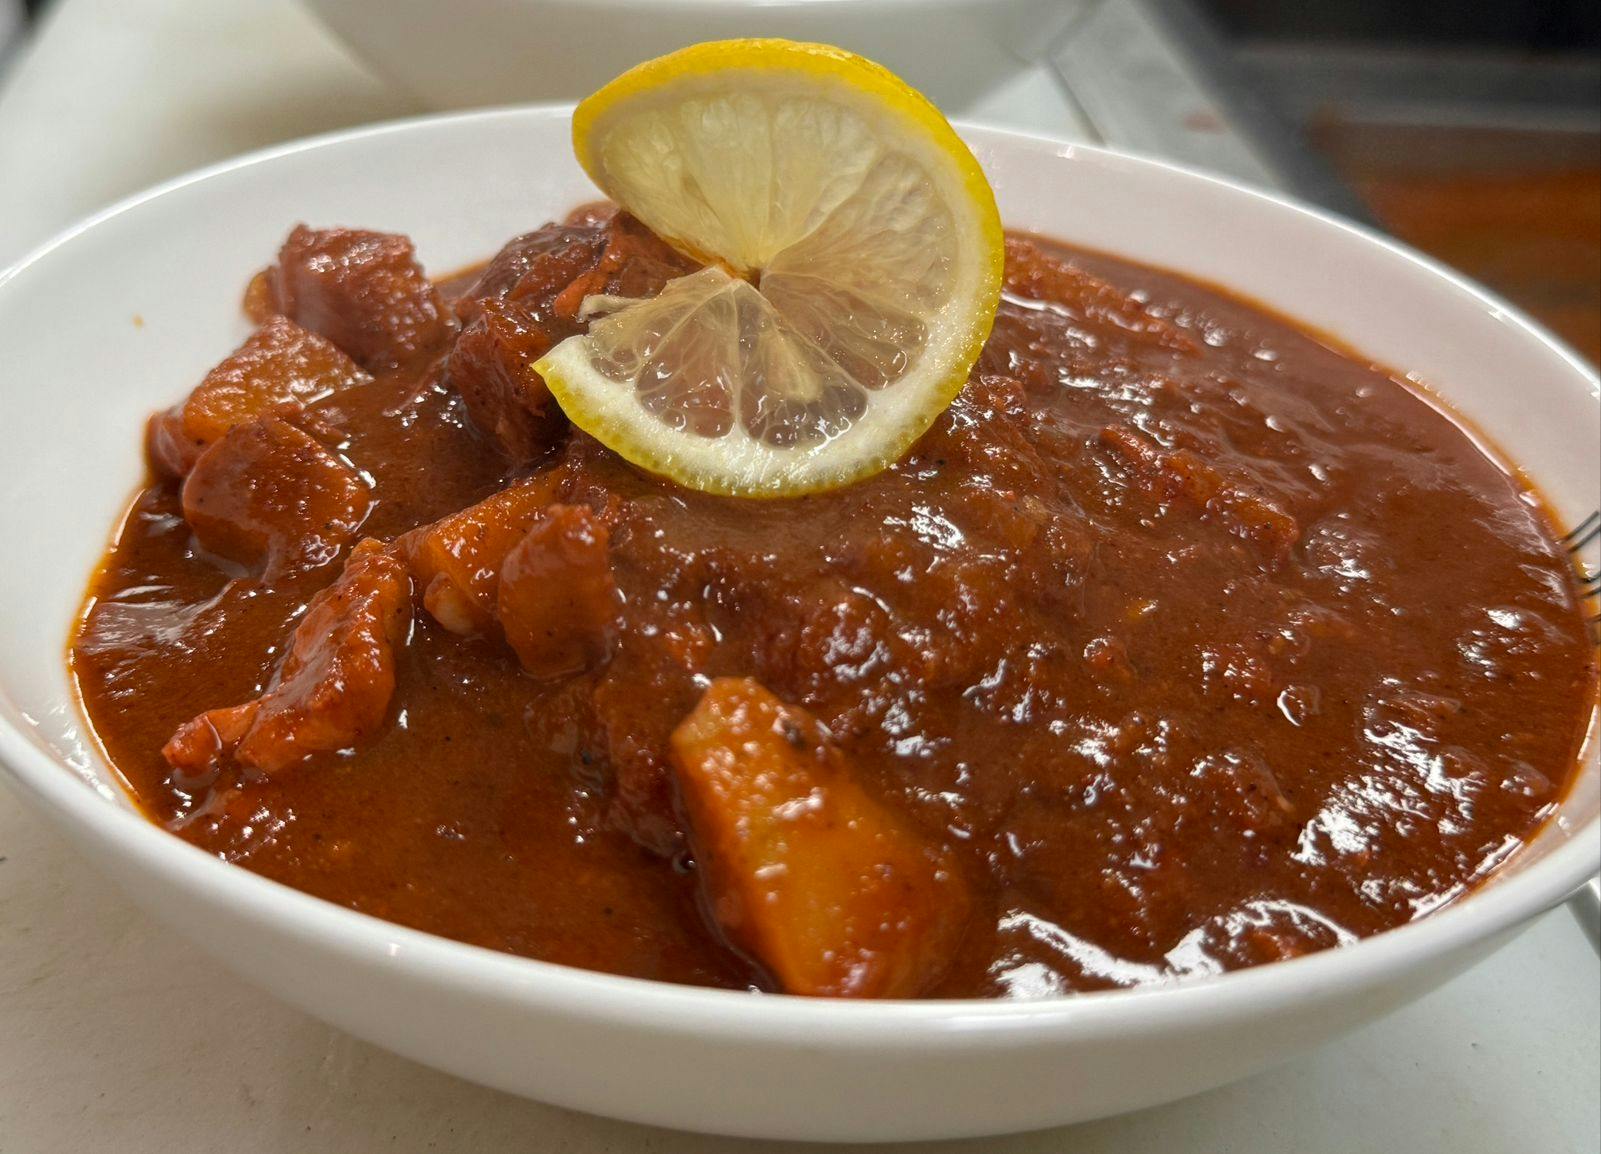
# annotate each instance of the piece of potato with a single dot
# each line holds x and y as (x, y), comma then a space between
(834, 893)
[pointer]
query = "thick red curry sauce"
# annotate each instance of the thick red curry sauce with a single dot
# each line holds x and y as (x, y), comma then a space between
(1182, 641)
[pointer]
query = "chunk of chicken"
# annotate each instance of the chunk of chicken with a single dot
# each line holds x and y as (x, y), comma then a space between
(636, 263)
(830, 890)
(635, 700)
(362, 290)
(269, 494)
(557, 601)
(333, 689)
(1032, 272)
(1182, 473)
(492, 366)
(457, 560)
(280, 363)
(546, 259)
(526, 301)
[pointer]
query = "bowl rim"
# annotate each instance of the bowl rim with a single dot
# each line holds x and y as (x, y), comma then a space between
(901, 1025)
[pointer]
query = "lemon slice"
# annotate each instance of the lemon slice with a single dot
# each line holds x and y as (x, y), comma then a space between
(853, 260)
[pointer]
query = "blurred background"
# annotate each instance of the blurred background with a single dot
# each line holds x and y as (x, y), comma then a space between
(1472, 131)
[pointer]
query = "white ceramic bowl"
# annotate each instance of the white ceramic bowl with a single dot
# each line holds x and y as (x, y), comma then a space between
(78, 375)
(475, 52)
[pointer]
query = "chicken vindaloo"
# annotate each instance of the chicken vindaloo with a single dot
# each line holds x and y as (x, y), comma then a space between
(1182, 642)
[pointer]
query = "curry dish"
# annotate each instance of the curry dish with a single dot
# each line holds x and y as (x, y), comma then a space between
(1183, 642)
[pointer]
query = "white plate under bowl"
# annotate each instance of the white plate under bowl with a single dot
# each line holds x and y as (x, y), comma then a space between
(126, 312)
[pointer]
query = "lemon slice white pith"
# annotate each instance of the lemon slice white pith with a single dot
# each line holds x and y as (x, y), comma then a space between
(853, 256)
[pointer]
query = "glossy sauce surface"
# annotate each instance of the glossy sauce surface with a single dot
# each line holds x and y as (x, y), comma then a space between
(1194, 642)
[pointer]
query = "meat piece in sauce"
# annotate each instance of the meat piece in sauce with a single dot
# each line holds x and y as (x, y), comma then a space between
(636, 263)
(332, 691)
(527, 301)
(281, 363)
(549, 258)
(458, 560)
(492, 363)
(362, 290)
(492, 367)
(557, 601)
(826, 887)
(637, 699)
(1033, 273)
(269, 494)
(1183, 474)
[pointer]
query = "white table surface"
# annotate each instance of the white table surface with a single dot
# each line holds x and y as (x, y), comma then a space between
(116, 1036)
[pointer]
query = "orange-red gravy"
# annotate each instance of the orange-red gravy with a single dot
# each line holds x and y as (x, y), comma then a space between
(1196, 642)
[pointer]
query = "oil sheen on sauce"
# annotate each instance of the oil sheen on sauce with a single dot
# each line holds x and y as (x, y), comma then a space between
(1198, 642)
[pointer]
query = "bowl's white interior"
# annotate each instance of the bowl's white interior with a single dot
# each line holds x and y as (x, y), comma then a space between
(126, 316)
